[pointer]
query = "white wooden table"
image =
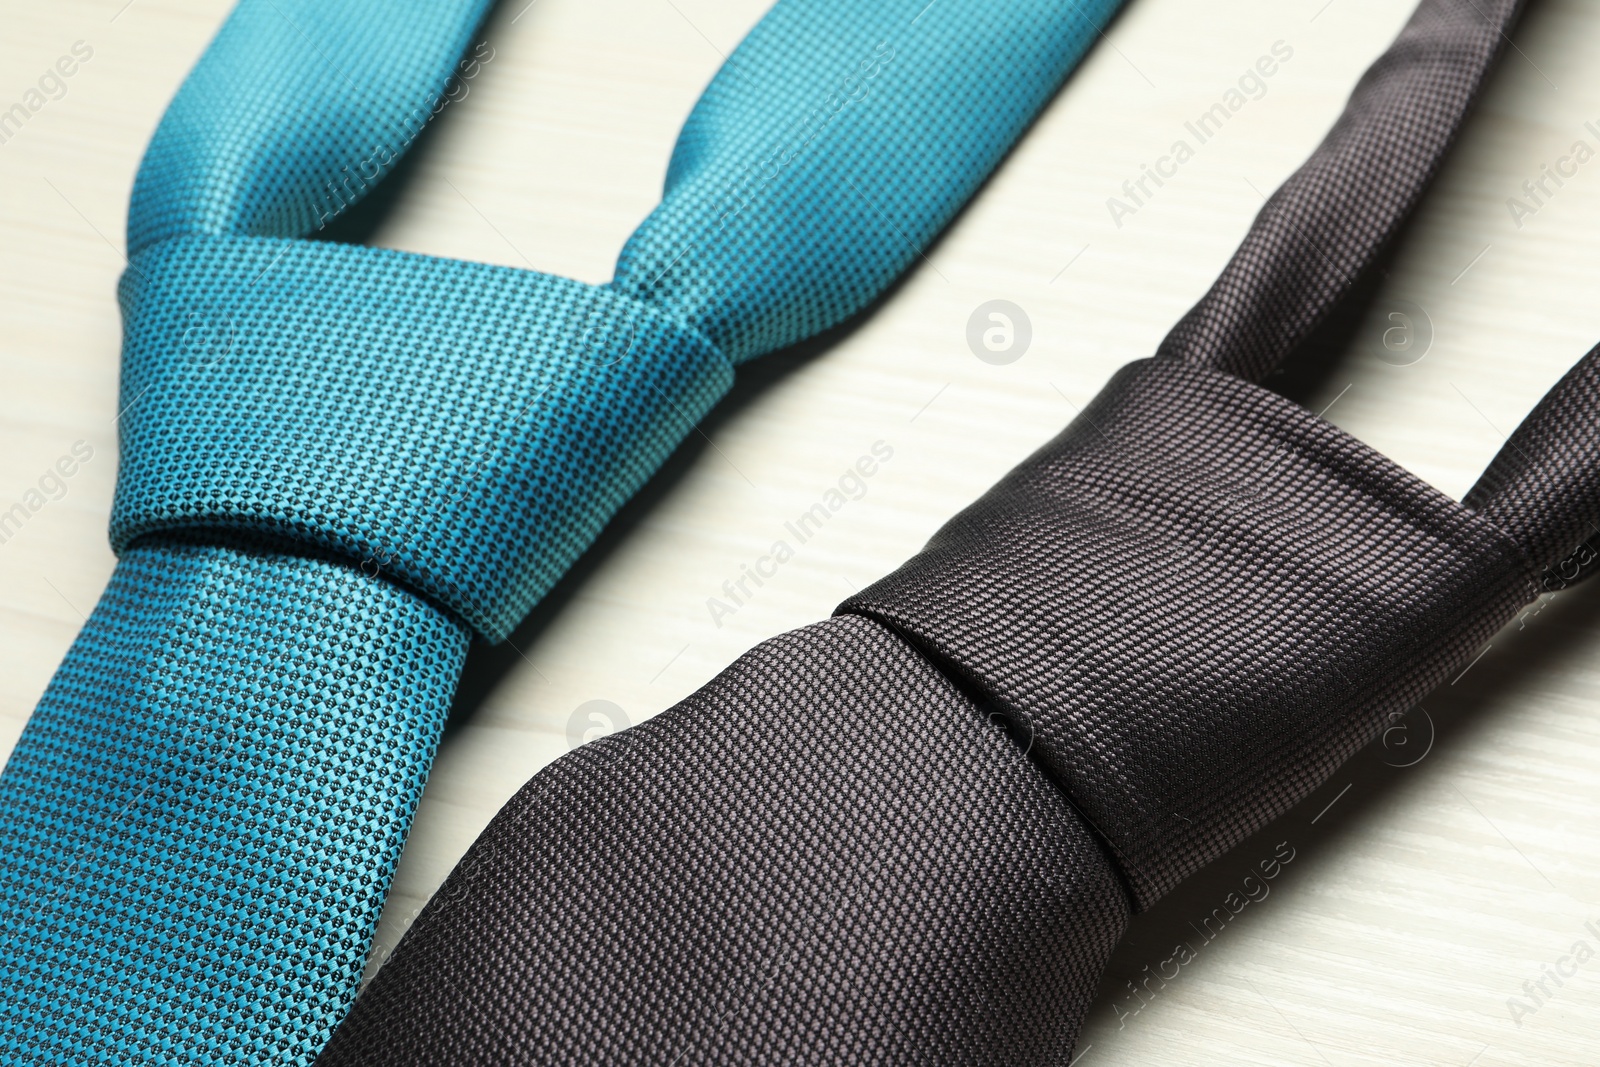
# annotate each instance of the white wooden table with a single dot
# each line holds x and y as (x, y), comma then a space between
(1420, 899)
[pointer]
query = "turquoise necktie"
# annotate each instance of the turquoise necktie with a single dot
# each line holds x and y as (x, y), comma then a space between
(339, 463)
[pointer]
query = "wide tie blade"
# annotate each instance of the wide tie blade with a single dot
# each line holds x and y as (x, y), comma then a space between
(828, 855)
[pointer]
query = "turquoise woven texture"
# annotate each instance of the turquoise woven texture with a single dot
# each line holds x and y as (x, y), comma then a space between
(339, 463)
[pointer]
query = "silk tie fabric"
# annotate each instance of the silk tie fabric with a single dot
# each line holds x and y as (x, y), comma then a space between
(339, 463)
(914, 833)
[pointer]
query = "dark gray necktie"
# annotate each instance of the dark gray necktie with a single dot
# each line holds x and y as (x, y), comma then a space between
(913, 833)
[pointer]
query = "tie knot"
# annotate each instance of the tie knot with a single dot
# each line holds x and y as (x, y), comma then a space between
(462, 428)
(1195, 602)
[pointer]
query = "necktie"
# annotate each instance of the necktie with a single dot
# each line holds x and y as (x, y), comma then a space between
(913, 833)
(338, 463)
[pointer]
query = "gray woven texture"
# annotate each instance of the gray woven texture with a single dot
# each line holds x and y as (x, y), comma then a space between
(866, 841)
(828, 855)
(1332, 220)
(1197, 602)
(1541, 488)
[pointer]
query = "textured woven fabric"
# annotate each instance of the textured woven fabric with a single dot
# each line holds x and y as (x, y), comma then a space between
(463, 428)
(296, 110)
(900, 109)
(338, 463)
(1329, 224)
(186, 823)
(1197, 602)
(919, 894)
(1179, 617)
(1540, 489)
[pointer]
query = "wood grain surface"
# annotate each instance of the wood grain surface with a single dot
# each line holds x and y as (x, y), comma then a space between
(1436, 882)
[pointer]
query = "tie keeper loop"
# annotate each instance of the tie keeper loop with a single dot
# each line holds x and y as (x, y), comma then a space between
(465, 429)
